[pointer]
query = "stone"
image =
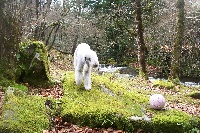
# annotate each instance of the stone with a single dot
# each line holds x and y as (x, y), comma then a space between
(33, 64)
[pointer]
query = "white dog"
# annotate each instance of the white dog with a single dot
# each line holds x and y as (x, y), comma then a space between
(84, 60)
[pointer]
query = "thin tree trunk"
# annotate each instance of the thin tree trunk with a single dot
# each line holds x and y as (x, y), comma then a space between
(140, 41)
(37, 6)
(1, 27)
(54, 38)
(75, 42)
(176, 53)
(49, 35)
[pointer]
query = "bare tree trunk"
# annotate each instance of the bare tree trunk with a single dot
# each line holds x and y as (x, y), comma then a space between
(37, 8)
(175, 63)
(58, 26)
(75, 42)
(140, 41)
(37, 28)
(1, 27)
(10, 36)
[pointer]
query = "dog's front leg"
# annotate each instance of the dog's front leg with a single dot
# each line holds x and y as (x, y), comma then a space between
(87, 77)
(79, 74)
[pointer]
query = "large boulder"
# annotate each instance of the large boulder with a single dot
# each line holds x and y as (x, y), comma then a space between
(33, 64)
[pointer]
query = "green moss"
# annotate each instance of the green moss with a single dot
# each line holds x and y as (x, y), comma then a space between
(106, 104)
(23, 114)
(174, 121)
(164, 84)
(110, 104)
(20, 87)
(111, 61)
(7, 76)
(33, 64)
(6, 82)
(176, 81)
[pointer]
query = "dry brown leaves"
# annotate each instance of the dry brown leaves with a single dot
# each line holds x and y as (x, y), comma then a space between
(191, 108)
(54, 91)
(60, 127)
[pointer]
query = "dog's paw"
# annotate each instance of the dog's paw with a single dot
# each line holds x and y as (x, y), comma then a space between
(87, 87)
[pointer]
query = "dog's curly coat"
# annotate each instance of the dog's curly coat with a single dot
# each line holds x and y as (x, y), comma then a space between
(84, 60)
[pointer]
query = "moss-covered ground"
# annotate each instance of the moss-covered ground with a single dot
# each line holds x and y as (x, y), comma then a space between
(23, 113)
(116, 102)
(121, 103)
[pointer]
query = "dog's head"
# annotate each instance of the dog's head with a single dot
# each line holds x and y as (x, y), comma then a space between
(91, 59)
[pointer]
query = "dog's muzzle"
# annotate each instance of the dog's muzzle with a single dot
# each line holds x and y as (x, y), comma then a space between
(95, 65)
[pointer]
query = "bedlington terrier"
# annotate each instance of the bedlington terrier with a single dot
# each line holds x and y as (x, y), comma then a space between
(84, 60)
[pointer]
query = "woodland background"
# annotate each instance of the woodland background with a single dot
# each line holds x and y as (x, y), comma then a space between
(109, 26)
(147, 36)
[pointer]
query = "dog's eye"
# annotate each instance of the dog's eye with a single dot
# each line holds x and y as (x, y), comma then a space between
(87, 59)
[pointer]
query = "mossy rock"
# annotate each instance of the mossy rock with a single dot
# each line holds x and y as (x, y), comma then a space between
(109, 104)
(33, 64)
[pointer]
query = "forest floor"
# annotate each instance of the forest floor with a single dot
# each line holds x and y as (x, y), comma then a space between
(60, 64)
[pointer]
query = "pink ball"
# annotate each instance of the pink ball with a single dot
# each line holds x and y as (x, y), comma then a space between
(157, 101)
